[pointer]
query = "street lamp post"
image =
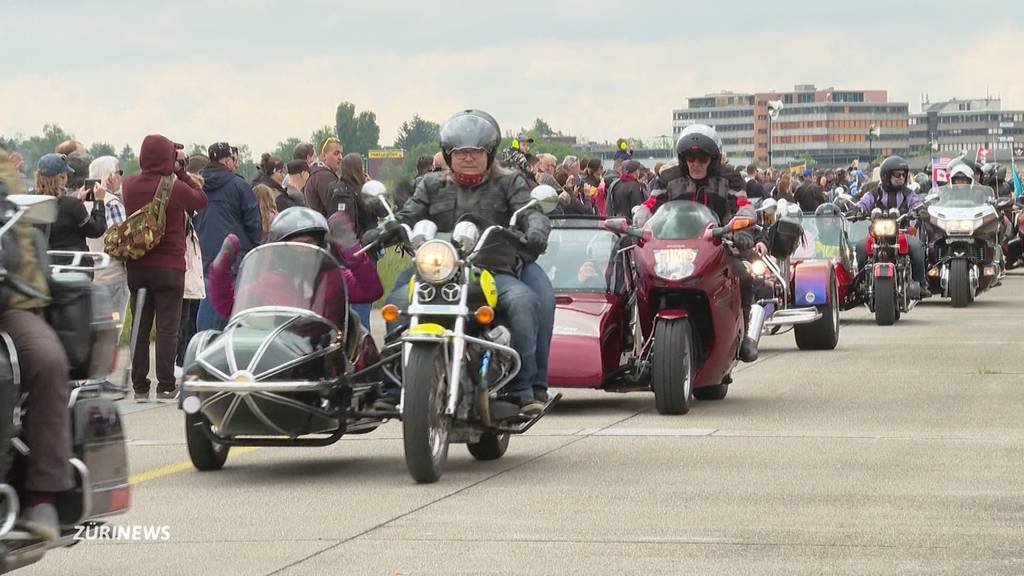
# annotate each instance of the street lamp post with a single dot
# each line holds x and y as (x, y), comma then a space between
(774, 107)
(872, 136)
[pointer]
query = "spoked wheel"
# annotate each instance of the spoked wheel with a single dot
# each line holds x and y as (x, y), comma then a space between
(672, 366)
(885, 301)
(424, 423)
(490, 447)
(823, 333)
(959, 283)
(206, 455)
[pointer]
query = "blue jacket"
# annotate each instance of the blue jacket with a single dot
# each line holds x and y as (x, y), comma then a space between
(231, 207)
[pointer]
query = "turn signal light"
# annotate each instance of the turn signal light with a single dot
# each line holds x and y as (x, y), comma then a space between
(933, 272)
(484, 315)
(389, 312)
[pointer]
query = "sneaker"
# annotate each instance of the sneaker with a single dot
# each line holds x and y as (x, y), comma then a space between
(42, 521)
(141, 396)
(166, 394)
(528, 405)
(925, 292)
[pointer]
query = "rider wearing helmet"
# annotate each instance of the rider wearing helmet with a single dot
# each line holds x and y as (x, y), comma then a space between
(698, 178)
(961, 174)
(477, 185)
(994, 176)
(307, 226)
(892, 192)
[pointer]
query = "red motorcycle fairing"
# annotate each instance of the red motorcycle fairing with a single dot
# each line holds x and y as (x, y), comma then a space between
(884, 270)
(869, 246)
(903, 243)
(672, 314)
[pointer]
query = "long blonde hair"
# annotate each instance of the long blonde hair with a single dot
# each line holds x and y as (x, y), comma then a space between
(50, 185)
(268, 206)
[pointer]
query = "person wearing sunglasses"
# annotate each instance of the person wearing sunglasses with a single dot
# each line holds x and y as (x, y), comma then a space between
(892, 192)
(114, 278)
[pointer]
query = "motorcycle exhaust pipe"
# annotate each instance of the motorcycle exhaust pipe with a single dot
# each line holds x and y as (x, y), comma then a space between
(756, 324)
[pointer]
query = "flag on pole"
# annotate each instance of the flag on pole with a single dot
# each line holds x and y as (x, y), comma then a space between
(1017, 187)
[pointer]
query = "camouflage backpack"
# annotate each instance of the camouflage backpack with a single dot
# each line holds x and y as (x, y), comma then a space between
(140, 232)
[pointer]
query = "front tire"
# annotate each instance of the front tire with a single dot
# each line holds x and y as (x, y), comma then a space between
(959, 283)
(885, 301)
(206, 455)
(490, 447)
(823, 333)
(424, 423)
(672, 366)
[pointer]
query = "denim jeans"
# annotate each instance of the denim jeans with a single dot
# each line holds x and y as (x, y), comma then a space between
(207, 318)
(534, 277)
(363, 311)
(519, 308)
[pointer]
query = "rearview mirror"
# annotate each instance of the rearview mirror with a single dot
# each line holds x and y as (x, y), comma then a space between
(375, 191)
(546, 197)
(39, 209)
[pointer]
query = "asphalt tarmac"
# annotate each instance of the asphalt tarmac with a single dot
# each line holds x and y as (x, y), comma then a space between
(900, 452)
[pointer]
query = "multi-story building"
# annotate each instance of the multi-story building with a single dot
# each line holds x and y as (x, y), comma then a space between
(830, 127)
(956, 126)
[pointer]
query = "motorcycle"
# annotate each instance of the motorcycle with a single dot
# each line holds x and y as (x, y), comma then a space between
(456, 356)
(293, 367)
(1012, 239)
(793, 286)
(687, 322)
(885, 282)
(87, 326)
(964, 255)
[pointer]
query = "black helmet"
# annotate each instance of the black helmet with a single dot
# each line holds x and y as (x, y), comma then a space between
(699, 138)
(470, 129)
(993, 174)
(890, 165)
(295, 221)
(828, 209)
(923, 180)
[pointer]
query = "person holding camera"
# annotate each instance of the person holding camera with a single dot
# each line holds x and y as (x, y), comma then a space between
(161, 271)
(74, 222)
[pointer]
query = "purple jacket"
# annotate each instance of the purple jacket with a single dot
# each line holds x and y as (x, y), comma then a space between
(867, 201)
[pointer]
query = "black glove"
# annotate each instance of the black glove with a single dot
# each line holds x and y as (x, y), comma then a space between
(536, 242)
(387, 233)
(743, 241)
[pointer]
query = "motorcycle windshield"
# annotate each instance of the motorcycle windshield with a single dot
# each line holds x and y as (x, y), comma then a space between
(581, 259)
(823, 238)
(681, 220)
(963, 196)
(291, 277)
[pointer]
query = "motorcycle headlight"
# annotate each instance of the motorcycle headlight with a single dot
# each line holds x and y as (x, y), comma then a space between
(435, 261)
(959, 226)
(758, 268)
(883, 228)
(674, 263)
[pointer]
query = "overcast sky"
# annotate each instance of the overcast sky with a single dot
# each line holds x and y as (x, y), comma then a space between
(258, 71)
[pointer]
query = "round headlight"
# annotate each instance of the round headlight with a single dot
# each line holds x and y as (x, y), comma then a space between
(884, 228)
(435, 261)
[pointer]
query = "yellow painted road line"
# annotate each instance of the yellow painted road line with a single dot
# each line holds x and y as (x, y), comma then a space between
(179, 467)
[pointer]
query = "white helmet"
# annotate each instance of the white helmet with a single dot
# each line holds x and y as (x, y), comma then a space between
(961, 169)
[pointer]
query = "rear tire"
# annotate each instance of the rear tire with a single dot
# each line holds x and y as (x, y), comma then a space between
(424, 424)
(885, 302)
(206, 455)
(490, 447)
(959, 283)
(823, 333)
(672, 366)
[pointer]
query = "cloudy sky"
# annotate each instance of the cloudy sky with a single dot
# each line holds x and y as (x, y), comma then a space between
(258, 71)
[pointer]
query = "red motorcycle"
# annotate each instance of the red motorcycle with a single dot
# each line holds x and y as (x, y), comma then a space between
(687, 321)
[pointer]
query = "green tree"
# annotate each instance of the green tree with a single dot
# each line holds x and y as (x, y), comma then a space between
(35, 147)
(541, 127)
(196, 148)
(417, 131)
(284, 149)
(246, 165)
(320, 134)
(357, 133)
(126, 154)
(129, 162)
(541, 146)
(101, 149)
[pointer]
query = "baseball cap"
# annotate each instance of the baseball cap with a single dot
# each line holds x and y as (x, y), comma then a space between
(220, 150)
(53, 164)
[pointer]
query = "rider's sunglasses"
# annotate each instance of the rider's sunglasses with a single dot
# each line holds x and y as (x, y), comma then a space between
(898, 175)
(698, 158)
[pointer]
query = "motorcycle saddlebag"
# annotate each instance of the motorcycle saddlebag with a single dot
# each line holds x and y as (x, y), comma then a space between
(81, 315)
(99, 443)
(784, 238)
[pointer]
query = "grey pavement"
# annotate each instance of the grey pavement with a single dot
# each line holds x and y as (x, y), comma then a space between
(901, 452)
